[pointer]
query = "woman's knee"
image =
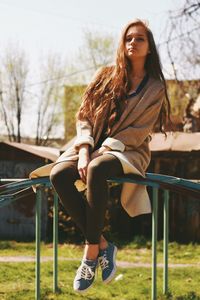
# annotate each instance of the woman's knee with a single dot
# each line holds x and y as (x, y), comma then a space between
(59, 174)
(55, 175)
(96, 169)
(104, 167)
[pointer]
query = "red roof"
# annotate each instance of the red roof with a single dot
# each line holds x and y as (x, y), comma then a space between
(41, 151)
(176, 141)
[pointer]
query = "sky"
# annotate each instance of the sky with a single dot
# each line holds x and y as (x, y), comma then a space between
(57, 26)
(43, 26)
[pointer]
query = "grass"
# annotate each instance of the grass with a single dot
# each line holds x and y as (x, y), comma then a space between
(135, 283)
(135, 251)
(17, 279)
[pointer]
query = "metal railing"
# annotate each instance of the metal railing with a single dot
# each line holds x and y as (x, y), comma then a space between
(10, 192)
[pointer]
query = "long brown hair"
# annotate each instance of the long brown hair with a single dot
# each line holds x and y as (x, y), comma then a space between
(112, 83)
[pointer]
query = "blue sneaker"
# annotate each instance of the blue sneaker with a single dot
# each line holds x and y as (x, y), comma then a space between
(107, 262)
(85, 275)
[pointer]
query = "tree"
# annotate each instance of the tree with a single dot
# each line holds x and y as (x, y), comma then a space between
(49, 108)
(71, 103)
(98, 52)
(46, 112)
(34, 105)
(182, 43)
(182, 49)
(13, 77)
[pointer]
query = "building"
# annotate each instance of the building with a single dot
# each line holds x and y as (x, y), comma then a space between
(17, 160)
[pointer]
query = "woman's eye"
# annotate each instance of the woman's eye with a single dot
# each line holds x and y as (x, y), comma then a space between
(139, 39)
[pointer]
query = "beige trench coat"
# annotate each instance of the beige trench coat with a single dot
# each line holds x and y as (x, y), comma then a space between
(128, 140)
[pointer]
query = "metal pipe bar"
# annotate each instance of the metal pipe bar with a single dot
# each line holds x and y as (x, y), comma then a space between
(155, 180)
(37, 241)
(24, 183)
(55, 243)
(154, 244)
(165, 241)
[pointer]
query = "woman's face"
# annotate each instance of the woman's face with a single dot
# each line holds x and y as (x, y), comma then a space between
(136, 42)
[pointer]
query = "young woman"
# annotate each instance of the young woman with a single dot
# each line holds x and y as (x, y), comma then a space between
(119, 110)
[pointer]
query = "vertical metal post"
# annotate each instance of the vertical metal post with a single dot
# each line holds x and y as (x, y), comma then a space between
(37, 241)
(165, 241)
(154, 243)
(55, 243)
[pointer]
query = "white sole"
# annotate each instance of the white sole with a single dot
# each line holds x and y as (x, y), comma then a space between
(110, 278)
(85, 290)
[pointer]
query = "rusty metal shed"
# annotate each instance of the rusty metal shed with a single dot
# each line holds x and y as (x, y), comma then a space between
(176, 141)
(179, 155)
(17, 160)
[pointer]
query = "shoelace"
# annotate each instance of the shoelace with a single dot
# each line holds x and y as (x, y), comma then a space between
(85, 272)
(103, 262)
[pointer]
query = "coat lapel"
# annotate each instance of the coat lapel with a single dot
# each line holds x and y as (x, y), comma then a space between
(134, 107)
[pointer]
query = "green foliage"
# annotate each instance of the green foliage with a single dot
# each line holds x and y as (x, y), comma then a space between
(99, 49)
(71, 103)
(180, 93)
(6, 245)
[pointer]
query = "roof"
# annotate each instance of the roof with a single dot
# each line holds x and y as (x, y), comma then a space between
(41, 151)
(67, 145)
(176, 141)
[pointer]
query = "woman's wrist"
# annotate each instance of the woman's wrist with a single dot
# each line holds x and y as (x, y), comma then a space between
(84, 149)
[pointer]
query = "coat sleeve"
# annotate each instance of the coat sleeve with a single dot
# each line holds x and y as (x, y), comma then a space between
(134, 135)
(84, 133)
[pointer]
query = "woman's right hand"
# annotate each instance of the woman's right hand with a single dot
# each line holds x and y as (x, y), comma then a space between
(83, 162)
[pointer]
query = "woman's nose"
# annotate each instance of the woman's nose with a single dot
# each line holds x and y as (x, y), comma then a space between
(132, 41)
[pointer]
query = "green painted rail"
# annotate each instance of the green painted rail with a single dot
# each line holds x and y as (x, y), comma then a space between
(11, 191)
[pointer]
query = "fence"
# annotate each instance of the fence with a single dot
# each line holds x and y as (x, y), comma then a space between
(10, 192)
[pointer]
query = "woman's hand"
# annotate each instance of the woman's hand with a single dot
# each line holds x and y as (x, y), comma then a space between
(99, 151)
(83, 161)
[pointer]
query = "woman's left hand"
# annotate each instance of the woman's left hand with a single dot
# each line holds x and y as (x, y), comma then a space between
(99, 152)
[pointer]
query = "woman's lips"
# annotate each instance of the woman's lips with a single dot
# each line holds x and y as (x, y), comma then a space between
(132, 49)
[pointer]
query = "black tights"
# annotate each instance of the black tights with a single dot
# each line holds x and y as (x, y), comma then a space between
(88, 215)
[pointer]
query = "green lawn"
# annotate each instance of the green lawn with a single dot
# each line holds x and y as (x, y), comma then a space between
(17, 279)
(132, 252)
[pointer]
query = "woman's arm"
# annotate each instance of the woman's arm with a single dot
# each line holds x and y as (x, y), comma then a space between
(83, 161)
(84, 133)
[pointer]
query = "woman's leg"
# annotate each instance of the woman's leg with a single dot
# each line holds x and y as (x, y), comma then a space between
(63, 177)
(89, 216)
(99, 170)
